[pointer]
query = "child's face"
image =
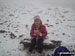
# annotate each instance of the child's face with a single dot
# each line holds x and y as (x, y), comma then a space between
(37, 22)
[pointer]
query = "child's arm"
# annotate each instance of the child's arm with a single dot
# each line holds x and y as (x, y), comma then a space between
(32, 32)
(44, 33)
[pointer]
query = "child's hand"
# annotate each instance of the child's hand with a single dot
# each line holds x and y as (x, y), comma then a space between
(36, 32)
(40, 34)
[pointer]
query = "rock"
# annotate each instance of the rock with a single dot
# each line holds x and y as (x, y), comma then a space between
(62, 16)
(49, 8)
(0, 42)
(46, 24)
(50, 46)
(23, 13)
(54, 44)
(47, 20)
(4, 36)
(64, 20)
(50, 26)
(52, 33)
(21, 35)
(57, 43)
(1, 23)
(16, 30)
(2, 31)
(40, 11)
(8, 51)
(69, 20)
(6, 40)
(8, 25)
(56, 23)
(14, 49)
(57, 34)
(11, 14)
(66, 12)
(5, 21)
(12, 35)
(63, 34)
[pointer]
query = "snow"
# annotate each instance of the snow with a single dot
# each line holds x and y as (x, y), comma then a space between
(17, 16)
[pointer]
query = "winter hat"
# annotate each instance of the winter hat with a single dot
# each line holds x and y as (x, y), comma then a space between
(37, 18)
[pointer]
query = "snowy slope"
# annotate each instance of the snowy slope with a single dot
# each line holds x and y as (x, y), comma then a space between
(17, 17)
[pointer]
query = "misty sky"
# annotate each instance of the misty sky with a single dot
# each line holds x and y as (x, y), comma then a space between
(42, 3)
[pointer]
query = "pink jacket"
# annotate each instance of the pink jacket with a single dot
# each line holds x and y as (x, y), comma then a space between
(42, 29)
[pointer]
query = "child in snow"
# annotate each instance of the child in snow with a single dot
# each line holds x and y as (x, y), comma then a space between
(38, 33)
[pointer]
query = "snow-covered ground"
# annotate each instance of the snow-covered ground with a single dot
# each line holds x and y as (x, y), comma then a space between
(16, 16)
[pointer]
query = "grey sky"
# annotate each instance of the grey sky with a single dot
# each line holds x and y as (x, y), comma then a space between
(42, 3)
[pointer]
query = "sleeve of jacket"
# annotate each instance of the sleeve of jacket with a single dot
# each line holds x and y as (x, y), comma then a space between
(32, 32)
(44, 33)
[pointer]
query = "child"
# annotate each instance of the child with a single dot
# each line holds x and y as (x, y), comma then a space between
(38, 33)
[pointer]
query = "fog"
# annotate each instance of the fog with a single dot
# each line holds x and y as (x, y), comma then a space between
(42, 3)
